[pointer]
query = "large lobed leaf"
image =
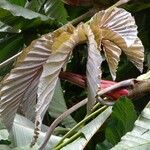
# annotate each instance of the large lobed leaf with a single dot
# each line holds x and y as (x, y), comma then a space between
(115, 31)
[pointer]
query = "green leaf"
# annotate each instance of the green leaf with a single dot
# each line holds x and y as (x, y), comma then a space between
(51, 8)
(36, 5)
(21, 18)
(139, 137)
(122, 120)
(9, 45)
(56, 9)
(18, 2)
(58, 106)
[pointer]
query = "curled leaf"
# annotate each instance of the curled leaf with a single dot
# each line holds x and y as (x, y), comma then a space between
(115, 30)
(49, 77)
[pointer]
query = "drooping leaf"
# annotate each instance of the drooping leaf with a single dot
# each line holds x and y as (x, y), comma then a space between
(88, 131)
(139, 137)
(118, 27)
(51, 70)
(93, 67)
(122, 121)
(58, 106)
(19, 17)
(52, 8)
(22, 77)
